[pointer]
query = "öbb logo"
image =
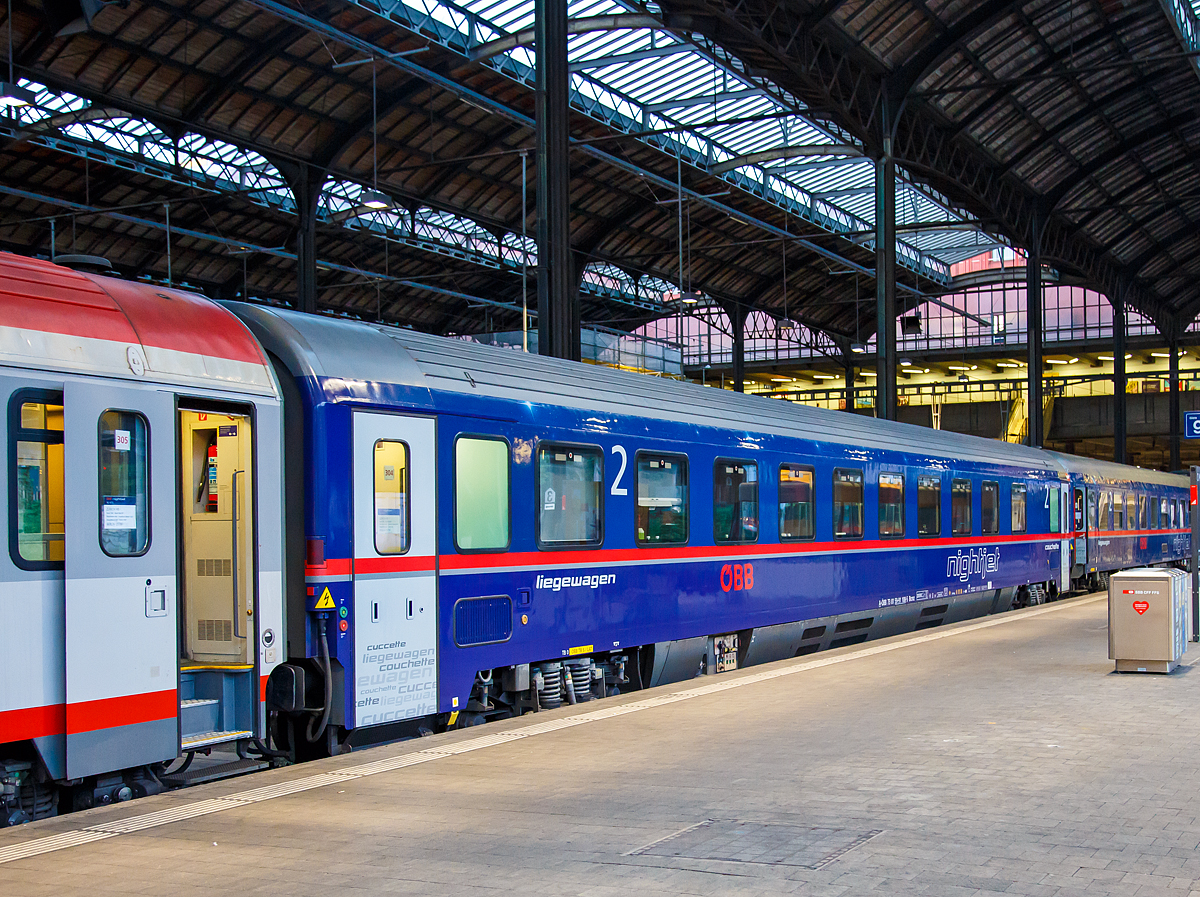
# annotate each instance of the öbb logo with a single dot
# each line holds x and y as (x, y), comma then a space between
(735, 577)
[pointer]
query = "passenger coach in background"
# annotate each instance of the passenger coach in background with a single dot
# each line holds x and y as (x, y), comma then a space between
(328, 533)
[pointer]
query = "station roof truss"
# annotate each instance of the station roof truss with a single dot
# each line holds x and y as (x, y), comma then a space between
(174, 138)
(1070, 122)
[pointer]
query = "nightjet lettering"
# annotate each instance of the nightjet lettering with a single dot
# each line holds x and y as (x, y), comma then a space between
(975, 561)
(557, 583)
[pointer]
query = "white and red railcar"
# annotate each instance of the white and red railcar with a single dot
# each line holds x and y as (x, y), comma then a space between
(141, 583)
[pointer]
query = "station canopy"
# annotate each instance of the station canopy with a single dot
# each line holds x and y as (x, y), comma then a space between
(720, 155)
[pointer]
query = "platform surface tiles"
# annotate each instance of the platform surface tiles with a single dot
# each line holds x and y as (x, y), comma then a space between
(1000, 756)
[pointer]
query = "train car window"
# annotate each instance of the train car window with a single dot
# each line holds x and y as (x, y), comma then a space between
(929, 506)
(570, 486)
(661, 513)
(891, 505)
(1118, 511)
(124, 483)
(1019, 491)
(1091, 503)
(1143, 514)
(735, 501)
(392, 513)
(1053, 496)
(1165, 518)
(960, 507)
(36, 510)
(1105, 512)
(989, 511)
(1154, 515)
(1077, 511)
(1131, 511)
(481, 494)
(1187, 514)
(795, 503)
(847, 504)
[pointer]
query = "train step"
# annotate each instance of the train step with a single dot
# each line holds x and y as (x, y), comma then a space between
(207, 739)
(198, 715)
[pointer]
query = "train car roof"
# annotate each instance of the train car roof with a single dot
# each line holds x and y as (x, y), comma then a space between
(55, 318)
(1093, 470)
(358, 354)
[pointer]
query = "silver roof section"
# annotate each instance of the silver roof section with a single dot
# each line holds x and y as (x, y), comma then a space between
(1110, 470)
(351, 351)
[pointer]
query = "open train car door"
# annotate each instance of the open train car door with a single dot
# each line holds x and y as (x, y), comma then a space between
(121, 706)
(395, 556)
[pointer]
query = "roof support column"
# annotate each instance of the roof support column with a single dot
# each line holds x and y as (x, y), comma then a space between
(1173, 348)
(306, 189)
(885, 283)
(1033, 317)
(848, 360)
(558, 298)
(737, 322)
(1119, 380)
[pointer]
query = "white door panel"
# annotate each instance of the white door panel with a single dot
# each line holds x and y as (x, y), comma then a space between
(120, 619)
(395, 583)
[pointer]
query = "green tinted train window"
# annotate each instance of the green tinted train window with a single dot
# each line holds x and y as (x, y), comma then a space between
(661, 512)
(37, 511)
(481, 494)
(570, 483)
(124, 483)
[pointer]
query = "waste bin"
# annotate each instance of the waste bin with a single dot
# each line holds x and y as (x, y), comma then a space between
(1148, 619)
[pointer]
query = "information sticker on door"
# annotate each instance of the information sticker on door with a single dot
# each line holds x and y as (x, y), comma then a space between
(119, 512)
(121, 441)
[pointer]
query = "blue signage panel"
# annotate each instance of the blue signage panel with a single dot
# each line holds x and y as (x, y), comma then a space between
(1191, 424)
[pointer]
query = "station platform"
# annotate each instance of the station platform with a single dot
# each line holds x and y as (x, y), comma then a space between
(999, 756)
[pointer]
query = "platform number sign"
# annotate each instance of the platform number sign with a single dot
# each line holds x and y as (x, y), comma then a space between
(1191, 424)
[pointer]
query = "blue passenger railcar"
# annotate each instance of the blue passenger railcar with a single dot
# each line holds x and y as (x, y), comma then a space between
(486, 532)
(1124, 517)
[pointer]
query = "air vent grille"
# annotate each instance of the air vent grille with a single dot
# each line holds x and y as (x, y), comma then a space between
(214, 630)
(214, 567)
(480, 621)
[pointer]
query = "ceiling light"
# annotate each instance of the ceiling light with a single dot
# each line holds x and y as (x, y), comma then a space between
(958, 367)
(1007, 364)
(782, 379)
(858, 348)
(904, 362)
(1110, 358)
(1160, 354)
(787, 324)
(868, 373)
(824, 376)
(1060, 360)
(690, 297)
(963, 378)
(373, 199)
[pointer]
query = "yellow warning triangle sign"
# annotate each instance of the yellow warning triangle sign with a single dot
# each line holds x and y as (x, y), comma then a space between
(325, 602)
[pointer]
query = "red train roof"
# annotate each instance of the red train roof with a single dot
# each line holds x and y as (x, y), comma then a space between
(183, 336)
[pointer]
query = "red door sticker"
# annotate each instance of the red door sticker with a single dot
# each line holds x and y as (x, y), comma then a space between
(1141, 607)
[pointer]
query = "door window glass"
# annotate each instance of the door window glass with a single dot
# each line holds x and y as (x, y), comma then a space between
(1165, 519)
(570, 482)
(660, 516)
(1105, 523)
(929, 506)
(989, 511)
(795, 503)
(1154, 515)
(1018, 507)
(1143, 514)
(1118, 508)
(960, 507)
(847, 504)
(1091, 502)
(124, 483)
(1055, 521)
(735, 501)
(1131, 511)
(891, 505)
(481, 519)
(36, 509)
(392, 497)
(1077, 515)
